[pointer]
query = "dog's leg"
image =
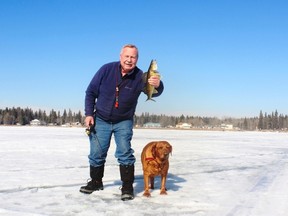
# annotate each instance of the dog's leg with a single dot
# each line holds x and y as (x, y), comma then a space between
(163, 184)
(146, 186)
(152, 182)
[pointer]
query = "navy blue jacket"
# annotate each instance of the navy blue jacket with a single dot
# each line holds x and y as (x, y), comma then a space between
(101, 93)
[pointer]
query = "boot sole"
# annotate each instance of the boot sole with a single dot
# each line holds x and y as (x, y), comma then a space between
(89, 191)
(125, 197)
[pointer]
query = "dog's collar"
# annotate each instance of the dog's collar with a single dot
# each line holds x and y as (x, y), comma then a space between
(149, 158)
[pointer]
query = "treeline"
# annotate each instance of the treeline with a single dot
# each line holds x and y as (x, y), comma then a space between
(20, 116)
(273, 121)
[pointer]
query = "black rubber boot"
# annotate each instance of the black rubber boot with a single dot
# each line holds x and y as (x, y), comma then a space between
(95, 184)
(127, 178)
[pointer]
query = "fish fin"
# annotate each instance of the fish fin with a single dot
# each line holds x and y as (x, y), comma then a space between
(145, 90)
(150, 99)
(144, 77)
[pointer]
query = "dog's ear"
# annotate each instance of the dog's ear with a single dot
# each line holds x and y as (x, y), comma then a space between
(170, 149)
(153, 150)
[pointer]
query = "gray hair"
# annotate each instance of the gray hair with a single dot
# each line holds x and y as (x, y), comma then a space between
(130, 46)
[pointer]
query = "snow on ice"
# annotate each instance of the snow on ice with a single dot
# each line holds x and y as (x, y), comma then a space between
(211, 174)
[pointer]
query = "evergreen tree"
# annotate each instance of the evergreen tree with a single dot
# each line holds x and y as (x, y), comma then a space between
(261, 123)
(52, 117)
(78, 117)
(20, 116)
(275, 121)
(245, 124)
(70, 117)
(59, 119)
(64, 117)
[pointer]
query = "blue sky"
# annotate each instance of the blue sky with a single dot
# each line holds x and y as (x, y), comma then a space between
(219, 58)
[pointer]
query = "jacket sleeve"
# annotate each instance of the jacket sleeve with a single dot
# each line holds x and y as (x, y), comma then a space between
(160, 89)
(92, 93)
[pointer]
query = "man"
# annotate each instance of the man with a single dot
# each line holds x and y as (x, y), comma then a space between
(110, 103)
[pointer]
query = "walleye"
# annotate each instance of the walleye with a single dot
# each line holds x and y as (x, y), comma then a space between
(152, 71)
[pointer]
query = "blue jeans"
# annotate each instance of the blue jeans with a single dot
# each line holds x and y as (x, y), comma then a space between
(100, 142)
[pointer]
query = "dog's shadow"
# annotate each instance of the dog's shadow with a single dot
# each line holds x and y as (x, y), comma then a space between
(171, 183)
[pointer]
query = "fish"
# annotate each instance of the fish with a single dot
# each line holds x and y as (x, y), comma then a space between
(149, 90)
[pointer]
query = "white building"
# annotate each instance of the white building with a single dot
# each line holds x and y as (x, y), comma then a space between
(184, 125)
(152, 125)
(36, 122)
(227, 126)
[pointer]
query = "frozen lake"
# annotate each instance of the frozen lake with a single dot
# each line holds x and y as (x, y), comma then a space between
(211, 174)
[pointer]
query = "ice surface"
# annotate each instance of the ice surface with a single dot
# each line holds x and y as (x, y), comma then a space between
(211, 174)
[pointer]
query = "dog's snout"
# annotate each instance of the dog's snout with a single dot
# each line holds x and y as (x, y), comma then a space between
(168, 149)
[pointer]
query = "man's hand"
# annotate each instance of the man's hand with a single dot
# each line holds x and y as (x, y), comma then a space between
(89, 120)
(154, 81)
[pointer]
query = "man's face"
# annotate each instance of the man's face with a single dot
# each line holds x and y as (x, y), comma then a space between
(128, 59)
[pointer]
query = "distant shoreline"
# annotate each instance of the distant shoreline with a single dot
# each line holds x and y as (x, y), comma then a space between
(144, 128)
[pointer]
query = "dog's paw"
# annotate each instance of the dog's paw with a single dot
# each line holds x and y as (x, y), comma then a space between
(163, 192)
(147, 194)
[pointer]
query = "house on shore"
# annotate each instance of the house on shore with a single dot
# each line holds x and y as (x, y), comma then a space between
(151, 125)
(184, 125)
(36, 122)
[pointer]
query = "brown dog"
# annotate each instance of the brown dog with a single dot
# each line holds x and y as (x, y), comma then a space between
(155, 161)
